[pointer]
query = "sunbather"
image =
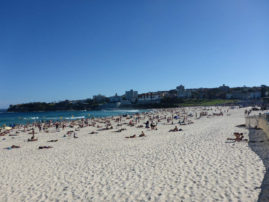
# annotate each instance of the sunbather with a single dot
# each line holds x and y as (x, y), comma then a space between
(45, 147)
(53, 141)
(32, 139)
(120, 130)
(175, 129)
(238, 137)
(13, 147)
(142, 134)
(132, 136)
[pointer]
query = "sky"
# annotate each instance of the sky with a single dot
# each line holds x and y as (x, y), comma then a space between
(56, 50)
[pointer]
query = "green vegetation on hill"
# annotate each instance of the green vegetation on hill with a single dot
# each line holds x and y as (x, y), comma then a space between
(54, 106)
(89, 104)
(177, 102)
(208, 102)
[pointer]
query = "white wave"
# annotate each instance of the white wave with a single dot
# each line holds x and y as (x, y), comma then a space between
(74, 117)
(33, 118)
(50, 118)
(133, 110)
(123, 110)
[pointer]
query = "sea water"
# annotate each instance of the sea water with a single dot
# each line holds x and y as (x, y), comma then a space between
(10, 118)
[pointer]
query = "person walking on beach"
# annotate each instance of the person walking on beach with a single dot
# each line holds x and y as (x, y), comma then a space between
(147, 124)
(39, 127)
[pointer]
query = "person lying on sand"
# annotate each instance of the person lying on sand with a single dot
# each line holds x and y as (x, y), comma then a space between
(13, 135)
(120, 130)
(45, 147)
(142, 134)
(190, 122)
(106, 128)
(140, 126)
(175, 129)
(132, 136)
(93, 132)
(53, 141)
(238, 137)
(13, 147)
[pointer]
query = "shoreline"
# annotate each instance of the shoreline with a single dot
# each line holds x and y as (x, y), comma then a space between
(59, 116)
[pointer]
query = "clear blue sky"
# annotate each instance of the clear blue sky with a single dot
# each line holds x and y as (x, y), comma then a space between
(52, 50)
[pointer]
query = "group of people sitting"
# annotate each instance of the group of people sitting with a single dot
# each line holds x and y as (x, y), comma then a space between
(152, 125)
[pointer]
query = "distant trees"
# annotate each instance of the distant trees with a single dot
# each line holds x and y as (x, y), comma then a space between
(264, 90)
(55, 106)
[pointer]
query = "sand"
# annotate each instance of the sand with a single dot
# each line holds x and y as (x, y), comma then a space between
(191, 165)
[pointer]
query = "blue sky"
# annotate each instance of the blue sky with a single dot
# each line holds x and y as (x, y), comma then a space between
(55, 50)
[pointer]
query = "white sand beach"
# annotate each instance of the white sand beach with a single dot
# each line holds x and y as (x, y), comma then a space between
(195, 164)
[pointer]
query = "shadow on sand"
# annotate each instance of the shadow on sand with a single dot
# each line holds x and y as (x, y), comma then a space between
(259, 143)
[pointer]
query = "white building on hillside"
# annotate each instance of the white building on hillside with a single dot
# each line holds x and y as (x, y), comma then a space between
(147, 98)
(131, 95)
(182, 92)
(99, 98)
(115, 98)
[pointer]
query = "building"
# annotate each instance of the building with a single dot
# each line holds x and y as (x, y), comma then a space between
(99, 98)
(115, 98)
(224, 88)
(255, 95)
(182, 92)
(131, 95)
(149, 98)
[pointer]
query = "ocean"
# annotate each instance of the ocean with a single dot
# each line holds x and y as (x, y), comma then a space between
(10, 118)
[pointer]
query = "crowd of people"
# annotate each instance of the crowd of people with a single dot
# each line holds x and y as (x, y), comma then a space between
(143, 121)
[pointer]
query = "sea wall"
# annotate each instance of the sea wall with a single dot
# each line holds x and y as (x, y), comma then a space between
(261, 121)
(258, 141)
